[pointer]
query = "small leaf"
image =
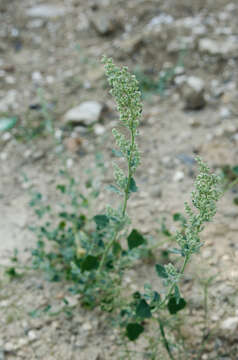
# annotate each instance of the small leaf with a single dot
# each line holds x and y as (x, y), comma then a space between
(89, 263)
(143, 310)
(174, 307)
(235, 169)
(175, 251)
(7, 123)
(114, 189)
(179, 217)
(11, 272)
(133, 187)
(133, 331)
(156, 297)
(235, 200)
(116, 248)
(135, 239)
(61, 188)
(101, 221)
(161, 271)
(117, 153)
(177, 294)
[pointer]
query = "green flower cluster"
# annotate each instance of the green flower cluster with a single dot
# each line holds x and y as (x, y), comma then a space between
(204, 199)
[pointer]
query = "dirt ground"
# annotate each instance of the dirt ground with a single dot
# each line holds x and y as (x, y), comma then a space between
(57, 47)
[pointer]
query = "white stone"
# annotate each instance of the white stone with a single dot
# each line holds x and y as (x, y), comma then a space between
(86, 327)
(230, 324)
(46, 11)
(32, 335)
(86, 113)
(225, 112)
(193, 93)
(218, 47)
(99, 129)
(195, 83)
(178, 176)
(6, 136)
(69, 163)
(36, 76)
(9, 347)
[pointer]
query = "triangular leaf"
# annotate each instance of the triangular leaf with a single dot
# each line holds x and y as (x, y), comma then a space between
(133, 187)
(161, 271)
(116, 248)
(114, 189)
(133, 331)
(89, 263)
(235, 169)
(135, 239)
(7, 123)
(175, 251)
(143, 310)
(101, 221)
(174, 307)
(117, 153)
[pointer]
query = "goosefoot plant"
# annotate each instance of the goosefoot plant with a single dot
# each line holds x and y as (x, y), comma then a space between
(204, 198)
(90, 252)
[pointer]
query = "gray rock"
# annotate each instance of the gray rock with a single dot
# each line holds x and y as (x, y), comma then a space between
(132, 43)
(46, 11)
(223, 48)
(99, 129)
(104, 24)
(193, 93)
(230, 324)
(178, 176)
(87, 113)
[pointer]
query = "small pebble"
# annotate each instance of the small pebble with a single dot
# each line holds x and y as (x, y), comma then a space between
(178, 176)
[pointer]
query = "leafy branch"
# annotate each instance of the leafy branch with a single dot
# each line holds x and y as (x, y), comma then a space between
(125, 90)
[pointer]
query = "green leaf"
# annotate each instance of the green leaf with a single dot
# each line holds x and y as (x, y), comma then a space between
(117, 153)
(161, 271)
(89, 263)
(175, 251)
(114, 189)
(135, 239)
(143, 310)
(133, 187)
(235, 200)
(7, 123)
(101, 221)
(235, 169)
(174, 306)
(177, 294)
(116, 248)
(179, 217)
(61, 188)
(11, 272)
(133, 331)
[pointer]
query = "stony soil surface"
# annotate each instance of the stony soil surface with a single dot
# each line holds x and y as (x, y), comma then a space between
(56, 46)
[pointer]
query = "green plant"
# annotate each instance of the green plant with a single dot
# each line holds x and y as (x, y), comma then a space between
(151, 303)
(90, 252)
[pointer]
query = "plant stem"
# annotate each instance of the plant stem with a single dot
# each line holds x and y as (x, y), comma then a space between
(173, 285)
(165, 341)
(127, 190)
(108, 247)
(126, 197)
